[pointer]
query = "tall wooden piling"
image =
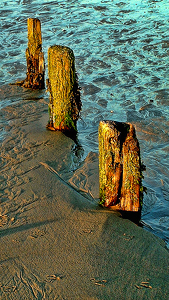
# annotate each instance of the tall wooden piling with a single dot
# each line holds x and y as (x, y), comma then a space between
(35, 58)
(119, 166)
(65, 104)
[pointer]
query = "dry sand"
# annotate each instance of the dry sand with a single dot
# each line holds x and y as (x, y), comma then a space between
(56, 242)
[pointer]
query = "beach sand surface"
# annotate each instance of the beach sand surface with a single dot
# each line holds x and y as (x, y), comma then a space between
(56, 242)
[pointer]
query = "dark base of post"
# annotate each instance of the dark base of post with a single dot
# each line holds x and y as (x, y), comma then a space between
(32, 82)
(66, 130)
(135, 217)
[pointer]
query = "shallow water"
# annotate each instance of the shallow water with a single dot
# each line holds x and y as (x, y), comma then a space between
(121, 50)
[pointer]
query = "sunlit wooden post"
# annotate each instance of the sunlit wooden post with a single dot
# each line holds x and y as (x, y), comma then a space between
(35, 58)
(119, 166)
(65, 104)
(131, 180)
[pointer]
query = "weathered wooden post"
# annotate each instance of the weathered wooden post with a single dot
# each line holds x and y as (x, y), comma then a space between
(119, 166)
(65, 104)
(131, 189)
(35, 58)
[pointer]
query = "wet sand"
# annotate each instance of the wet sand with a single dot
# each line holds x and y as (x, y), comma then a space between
(56, 242)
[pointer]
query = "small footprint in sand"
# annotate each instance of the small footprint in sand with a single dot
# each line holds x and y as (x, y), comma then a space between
(51, 278)
(37, 233)
(3, 220)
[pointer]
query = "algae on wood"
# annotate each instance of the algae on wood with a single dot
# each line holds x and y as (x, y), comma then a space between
(65, 104)
(119, 166)
(35, 58)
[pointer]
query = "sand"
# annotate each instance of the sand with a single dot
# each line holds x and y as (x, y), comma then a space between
(56, 242)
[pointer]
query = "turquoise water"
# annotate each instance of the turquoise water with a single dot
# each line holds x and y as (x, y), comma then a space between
(121, 50)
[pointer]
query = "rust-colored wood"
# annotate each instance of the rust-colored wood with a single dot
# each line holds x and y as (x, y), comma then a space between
(34, 56)
(119, 166)
(65, 104)
(131, 180)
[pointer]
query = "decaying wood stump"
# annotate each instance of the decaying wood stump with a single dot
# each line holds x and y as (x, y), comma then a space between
(65, 104)
(119, 166)
(35, 58)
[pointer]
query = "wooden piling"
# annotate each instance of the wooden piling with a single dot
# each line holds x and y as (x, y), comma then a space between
(65, 104)
(35, 58)
(131, 180)
(119, 166)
